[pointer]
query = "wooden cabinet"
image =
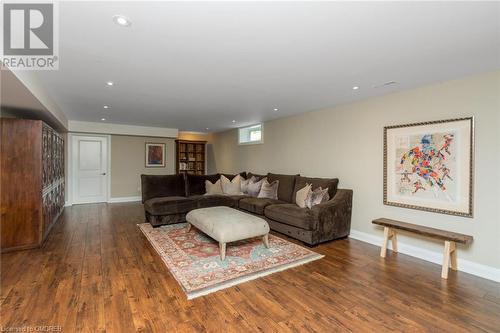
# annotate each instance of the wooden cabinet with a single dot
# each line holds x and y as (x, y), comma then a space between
(32, 180)
(190, 157)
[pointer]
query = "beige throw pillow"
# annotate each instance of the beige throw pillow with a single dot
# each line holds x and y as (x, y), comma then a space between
(269, 191)
(317, 196)
(213, 188)
(302, 195)
(231, 187)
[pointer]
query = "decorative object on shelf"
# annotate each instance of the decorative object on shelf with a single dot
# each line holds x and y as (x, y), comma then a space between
(190, 157)
(32, 182)
(429, 166)
(155, 155)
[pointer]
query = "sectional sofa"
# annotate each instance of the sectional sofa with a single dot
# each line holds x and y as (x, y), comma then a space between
(167, 199)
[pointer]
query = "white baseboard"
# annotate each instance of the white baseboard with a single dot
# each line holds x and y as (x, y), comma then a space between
(67, 204)
(487, 272)
(124, 199)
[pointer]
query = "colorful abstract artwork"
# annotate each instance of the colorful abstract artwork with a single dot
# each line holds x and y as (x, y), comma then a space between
(429, 166)
(155, 155)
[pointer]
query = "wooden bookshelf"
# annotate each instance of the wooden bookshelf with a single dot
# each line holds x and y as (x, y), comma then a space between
(190, 157)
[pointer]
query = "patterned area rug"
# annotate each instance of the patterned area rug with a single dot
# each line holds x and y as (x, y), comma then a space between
(194, 261)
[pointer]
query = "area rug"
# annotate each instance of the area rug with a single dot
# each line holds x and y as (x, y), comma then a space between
(194, 261)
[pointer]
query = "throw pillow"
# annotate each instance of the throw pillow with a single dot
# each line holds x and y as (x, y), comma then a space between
(244, 185)
(231, 187)
(269, 191)
(254, 186)
(302, 195)
(213, 188)
(317, 196)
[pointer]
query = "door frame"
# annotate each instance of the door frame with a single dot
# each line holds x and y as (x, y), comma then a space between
(71, 165)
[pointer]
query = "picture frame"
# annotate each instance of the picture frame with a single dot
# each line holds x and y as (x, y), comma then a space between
(155, 155)
(430, 166)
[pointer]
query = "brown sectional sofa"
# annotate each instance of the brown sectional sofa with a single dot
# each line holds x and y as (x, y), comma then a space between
(167, 200)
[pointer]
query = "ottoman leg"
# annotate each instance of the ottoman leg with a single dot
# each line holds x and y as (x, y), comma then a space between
(265, 239)
(222, 247)
(188, 227)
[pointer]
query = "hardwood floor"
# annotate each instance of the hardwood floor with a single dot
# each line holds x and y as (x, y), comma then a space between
(96, 273)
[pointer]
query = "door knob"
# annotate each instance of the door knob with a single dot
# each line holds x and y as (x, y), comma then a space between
(103, 174)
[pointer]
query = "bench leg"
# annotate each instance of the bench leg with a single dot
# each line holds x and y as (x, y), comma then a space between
(394, 241)
(389, 233)
(265, 239)
(188, 227)
(453, 249)
(222, 248)
(450, 251)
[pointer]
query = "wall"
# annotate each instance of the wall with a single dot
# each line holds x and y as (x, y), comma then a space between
(346, 142)
(128, 163)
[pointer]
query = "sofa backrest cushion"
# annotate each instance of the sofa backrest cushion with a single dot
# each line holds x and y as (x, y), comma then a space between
(231, 176)
(331, 183)
(259, 177)
(195, 184)
(286, 186)
(154, 186)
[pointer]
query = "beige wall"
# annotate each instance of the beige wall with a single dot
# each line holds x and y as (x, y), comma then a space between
(346, 142)
(128, 160)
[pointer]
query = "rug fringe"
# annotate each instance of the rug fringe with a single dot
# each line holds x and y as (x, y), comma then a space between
(232, 283)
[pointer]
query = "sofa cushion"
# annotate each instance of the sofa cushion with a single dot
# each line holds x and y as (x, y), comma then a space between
(195, 184)
(169, 205)
(259, 177)
(293, 215)
(154, 186)
(286, 187)
(236, 199)
(257, 205)
(231, 176)
(331, 183)
(204, 201)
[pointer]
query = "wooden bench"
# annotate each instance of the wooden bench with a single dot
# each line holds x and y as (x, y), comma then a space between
(450, 240)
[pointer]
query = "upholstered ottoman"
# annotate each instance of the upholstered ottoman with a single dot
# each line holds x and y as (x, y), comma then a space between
(227, 225)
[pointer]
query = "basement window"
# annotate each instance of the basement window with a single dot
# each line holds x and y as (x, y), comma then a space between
(251, 134)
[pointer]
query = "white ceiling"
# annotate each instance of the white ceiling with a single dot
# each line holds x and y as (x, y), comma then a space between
(194, 65)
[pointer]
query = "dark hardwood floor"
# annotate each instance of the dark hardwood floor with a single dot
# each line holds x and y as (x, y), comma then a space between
(96, 273)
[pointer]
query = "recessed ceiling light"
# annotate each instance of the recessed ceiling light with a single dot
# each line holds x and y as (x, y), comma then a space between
(110, 83)
(103, 119)
(106, 107)
(275, 109)
(355, 88)
(234, 121)
(122, 20)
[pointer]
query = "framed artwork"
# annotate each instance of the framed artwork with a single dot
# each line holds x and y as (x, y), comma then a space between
(429, 166)
(155, 155)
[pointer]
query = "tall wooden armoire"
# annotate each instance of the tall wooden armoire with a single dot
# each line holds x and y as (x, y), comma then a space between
(32, 182)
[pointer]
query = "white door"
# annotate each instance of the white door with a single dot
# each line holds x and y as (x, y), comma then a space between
(90, 165)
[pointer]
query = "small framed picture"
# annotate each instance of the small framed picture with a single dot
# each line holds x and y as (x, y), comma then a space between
(429, 166)
(155, 155)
